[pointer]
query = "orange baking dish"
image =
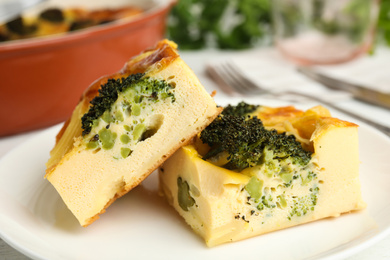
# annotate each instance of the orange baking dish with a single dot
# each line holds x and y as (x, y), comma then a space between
(42, 79)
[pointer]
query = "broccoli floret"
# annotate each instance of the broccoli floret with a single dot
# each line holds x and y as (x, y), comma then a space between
(242, 109)
(184, 197)
(302, 205)
(247, 141)
(247, 146)
(108, 94)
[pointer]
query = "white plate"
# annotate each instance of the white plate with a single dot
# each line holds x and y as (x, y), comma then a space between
(140, 225)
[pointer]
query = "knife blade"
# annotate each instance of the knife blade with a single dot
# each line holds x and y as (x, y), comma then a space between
(359, 92)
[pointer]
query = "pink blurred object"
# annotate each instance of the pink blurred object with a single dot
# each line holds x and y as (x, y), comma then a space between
(312, 32)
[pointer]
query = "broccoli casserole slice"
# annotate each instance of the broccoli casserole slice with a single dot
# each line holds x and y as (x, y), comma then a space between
(257, 169)
(124, 127)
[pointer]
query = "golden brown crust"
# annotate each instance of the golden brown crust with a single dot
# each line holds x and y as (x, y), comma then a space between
(300, 119)
(272, 114)
(126, 189)
(164, 53)
(308, 124)
(62, 131)
(336, 122)
(325, 123)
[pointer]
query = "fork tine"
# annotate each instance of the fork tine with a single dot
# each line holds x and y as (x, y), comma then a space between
(239, 81)
(248, 85)
(228, 78)
(215, 74)
(231, 77)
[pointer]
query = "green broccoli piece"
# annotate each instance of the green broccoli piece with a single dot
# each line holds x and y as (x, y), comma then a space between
(244, 141)
(144, 87)
(185, 200)
(249, 143)
(242, 109)
(302, 205)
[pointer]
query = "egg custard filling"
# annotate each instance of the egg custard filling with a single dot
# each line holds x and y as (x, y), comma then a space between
(130, 119)
(257, 169)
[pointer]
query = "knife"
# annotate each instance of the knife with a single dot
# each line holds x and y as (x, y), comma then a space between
(358, 91)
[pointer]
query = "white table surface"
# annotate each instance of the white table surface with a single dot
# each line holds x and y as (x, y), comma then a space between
(257, 60)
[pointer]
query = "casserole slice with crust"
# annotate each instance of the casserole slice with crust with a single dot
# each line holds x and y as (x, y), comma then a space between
(259, 169)
(124, 127)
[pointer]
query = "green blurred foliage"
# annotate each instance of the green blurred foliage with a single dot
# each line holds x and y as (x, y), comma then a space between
(384, 21)
(240, 24)
(229, 24)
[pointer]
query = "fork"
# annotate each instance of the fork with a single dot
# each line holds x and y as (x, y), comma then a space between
(233, 80)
